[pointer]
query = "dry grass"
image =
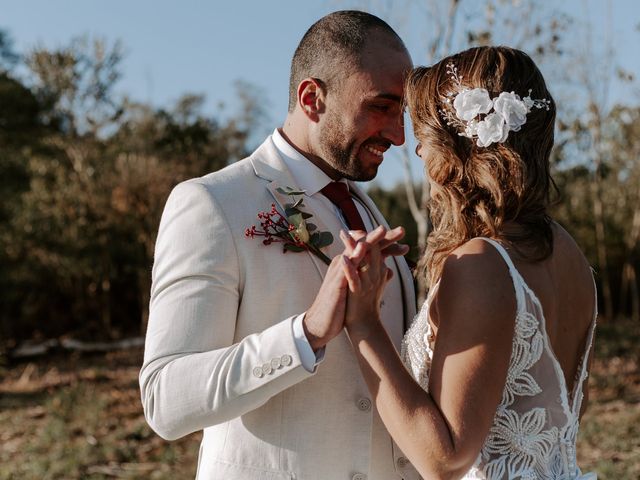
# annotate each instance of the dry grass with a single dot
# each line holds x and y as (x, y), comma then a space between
(79, 417)
(609, 438)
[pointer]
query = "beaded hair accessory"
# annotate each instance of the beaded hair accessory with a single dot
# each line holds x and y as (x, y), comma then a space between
(480, 117)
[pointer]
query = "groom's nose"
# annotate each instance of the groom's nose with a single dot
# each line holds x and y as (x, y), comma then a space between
(394, 131)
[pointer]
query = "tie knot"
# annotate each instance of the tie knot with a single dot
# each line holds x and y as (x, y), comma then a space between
(339, 195)
(337, 192)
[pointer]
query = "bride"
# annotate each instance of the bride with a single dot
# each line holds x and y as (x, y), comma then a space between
(491, 382)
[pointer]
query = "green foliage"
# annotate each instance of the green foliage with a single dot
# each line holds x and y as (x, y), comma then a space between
(618, 177)
(8, 57)
(394, 206)
(85, 176)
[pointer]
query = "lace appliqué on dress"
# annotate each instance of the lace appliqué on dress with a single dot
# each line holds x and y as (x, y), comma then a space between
(416, 351)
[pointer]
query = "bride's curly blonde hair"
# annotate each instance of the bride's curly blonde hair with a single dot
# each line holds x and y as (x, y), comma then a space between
(478, 191)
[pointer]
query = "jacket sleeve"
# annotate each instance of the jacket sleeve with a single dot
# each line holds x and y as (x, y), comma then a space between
(194, 375)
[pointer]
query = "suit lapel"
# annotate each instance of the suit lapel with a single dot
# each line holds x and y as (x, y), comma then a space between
(268, 165)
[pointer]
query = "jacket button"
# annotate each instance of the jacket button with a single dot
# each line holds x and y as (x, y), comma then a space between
(266, 368)
(364, 404)
(359, 476)
(286, 360)
(402, 462)
(257, 372)
(276, 363)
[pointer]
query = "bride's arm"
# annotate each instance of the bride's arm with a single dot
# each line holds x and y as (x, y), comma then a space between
(441, 432)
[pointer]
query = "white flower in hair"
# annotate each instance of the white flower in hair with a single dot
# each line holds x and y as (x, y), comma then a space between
(470, 103)
(512, 109)
(493, 129)
(488, 120)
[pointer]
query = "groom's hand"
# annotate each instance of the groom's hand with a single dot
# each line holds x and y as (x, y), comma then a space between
(325, 318)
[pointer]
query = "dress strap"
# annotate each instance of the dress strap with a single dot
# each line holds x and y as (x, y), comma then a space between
(577, 395)
(513, 271)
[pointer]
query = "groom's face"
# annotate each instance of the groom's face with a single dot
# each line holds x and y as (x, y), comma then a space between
(363, 116)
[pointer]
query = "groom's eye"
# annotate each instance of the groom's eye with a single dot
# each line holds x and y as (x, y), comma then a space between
(382, 108)
(386, 108)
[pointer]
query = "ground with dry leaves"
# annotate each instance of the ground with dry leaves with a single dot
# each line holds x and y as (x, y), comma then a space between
(71, 416)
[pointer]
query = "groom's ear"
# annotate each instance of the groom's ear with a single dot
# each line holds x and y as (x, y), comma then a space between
(311, 98)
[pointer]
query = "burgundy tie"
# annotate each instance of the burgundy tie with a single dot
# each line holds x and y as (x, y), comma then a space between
(339, 194)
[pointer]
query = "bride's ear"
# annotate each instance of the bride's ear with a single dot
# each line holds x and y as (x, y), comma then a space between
(311, 98)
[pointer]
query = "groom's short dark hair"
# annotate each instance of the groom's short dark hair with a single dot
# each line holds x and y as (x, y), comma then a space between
(332, 47)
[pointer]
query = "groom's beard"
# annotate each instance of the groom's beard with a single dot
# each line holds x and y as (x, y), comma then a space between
(341, 151)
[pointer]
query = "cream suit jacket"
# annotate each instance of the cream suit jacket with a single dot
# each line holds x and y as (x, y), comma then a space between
(220, 352)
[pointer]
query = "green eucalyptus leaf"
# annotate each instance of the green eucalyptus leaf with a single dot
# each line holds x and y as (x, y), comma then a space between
(290, 210)
(311, 227)
(306, 215)
(290, 191)
(323, 239)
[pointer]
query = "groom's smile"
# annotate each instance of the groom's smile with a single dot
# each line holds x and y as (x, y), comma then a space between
(375, 151)
(371, 155)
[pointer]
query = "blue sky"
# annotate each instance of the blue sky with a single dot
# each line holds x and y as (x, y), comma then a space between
(204, 46)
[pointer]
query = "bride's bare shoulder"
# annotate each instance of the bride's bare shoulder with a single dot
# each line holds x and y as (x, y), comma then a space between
(567, 256)
(475, 278)
(473, 259)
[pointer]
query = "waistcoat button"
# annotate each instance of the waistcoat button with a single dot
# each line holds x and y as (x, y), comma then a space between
(364, 404)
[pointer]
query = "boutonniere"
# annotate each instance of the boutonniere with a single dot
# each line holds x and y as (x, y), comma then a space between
(292, 229)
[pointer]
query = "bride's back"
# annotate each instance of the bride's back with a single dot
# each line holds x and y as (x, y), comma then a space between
(564, 286)
(484, 119)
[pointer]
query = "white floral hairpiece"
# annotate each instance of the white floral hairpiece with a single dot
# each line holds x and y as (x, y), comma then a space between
(509, 111)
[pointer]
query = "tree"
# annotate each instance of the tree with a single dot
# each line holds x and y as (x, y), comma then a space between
(8, 56)
(21, 134)
(79, 80)
(626, 148)
(95, 171)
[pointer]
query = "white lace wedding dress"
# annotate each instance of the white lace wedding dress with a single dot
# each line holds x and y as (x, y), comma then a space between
(534, 430)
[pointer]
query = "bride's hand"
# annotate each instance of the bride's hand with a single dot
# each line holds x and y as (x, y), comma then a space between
(366, 273)
(387, 240)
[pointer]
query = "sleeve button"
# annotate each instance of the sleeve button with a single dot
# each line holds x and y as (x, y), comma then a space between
(276, 363)
(257, 372)
(286, 360)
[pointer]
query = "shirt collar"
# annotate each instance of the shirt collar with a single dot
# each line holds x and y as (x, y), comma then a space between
(308, 177)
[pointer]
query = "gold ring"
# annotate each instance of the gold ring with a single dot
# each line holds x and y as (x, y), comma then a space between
(363, 268)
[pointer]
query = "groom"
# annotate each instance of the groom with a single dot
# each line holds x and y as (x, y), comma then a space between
(238, 342)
